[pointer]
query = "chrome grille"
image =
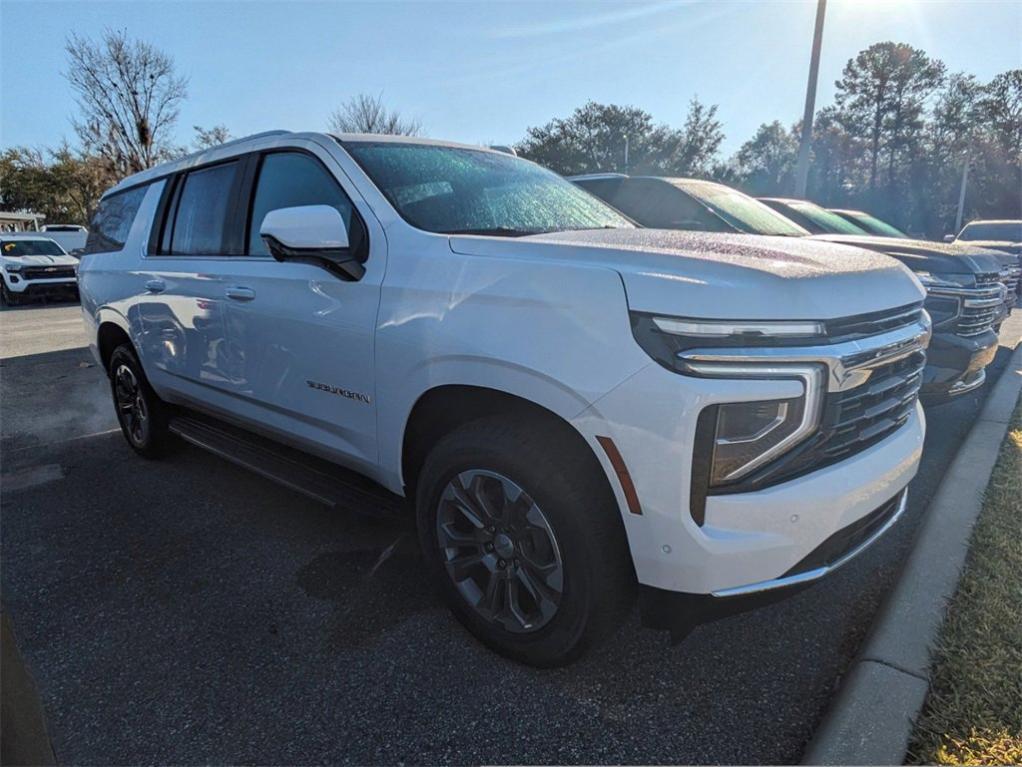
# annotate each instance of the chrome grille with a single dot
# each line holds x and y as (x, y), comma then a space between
(980, 306)
(1010, 278)
(858, 417)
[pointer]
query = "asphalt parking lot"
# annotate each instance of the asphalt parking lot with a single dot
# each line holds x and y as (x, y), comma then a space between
(188, 611)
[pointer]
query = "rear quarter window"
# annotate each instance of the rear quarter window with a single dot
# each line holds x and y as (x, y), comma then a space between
(112, 221)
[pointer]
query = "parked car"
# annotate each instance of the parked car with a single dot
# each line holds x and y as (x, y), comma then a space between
(964, 298)
(33, 266)
(821, 221)
(572, 405)
(71, 237)
(1002, 235)
(870, 224)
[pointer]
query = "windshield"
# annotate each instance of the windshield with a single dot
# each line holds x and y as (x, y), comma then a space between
(31, 248)
(1000, 231)
(823, 221)
(874, 225)
(451, 190)
(741, 211)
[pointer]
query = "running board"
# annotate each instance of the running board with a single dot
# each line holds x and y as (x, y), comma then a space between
(314, 477)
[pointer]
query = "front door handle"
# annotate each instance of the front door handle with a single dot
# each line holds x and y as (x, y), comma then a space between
(155, 286)
(240, 294)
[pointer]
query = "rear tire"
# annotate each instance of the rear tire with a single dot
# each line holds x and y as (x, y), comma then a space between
(521, 531)
(141, 414)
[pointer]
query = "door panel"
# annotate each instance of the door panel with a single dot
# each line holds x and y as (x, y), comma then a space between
(300, 354)
(183, 328)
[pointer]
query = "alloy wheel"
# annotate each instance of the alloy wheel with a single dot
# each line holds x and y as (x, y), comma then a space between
(500, 551)
(131, 406)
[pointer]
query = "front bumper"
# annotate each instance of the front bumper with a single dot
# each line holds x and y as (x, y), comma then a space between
(746, 538)
(679, 613)
(955, 364)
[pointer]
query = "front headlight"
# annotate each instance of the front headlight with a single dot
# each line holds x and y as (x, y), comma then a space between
(12, 266)
(740, 437)
(747, 431)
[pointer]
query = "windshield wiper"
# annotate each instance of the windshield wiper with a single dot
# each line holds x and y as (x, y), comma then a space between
(496, 231)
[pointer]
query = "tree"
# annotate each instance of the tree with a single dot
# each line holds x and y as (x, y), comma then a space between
(595, 136)
(881, 95)
(128, 95)
(65, 186)
(207, 138)
(364, 113)
(765, 163)
(700, 140)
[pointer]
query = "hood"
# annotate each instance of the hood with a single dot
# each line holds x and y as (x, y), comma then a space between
(925, 256)
(723, 276)
(1001, 246)
(39, 260)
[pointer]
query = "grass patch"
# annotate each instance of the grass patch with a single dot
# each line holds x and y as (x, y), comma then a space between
(973, 714)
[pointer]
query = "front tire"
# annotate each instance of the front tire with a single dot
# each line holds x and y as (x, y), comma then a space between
(141, 414)
(522, 533)
(7, 296)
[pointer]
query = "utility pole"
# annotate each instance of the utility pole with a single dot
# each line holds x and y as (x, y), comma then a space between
(626, 153)
(802, 169)
(961, 196)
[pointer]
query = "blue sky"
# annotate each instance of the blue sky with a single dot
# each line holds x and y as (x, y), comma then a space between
(484, 72)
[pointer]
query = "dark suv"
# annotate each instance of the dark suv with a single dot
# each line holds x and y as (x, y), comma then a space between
(964, 295)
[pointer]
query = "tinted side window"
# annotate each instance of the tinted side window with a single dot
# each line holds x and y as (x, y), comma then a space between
(290, 179)
(202, 207)
(112, 220)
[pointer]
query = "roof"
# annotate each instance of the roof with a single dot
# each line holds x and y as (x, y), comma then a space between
(596, 176)
(21, 216)
(237, 146)
(849, 211)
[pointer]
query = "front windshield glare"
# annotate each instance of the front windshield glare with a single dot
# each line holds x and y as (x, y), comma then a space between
(877, 226)
(31, 248)
(745, 213)
(1005, 232)
(829, 222)
(452, 190)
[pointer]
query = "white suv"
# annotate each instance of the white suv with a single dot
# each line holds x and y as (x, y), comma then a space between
(575, 406)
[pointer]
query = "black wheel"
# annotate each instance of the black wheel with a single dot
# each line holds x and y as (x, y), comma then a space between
(521, 531)
(141, 414)
(7, 297)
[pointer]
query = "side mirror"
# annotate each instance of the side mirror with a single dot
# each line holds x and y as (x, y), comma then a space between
(949, 238)
(313, 234)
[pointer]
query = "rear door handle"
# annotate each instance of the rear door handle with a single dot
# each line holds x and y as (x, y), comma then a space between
(240, 294)
(155, 286)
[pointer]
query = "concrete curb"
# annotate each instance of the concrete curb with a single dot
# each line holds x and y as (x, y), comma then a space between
(871, 718)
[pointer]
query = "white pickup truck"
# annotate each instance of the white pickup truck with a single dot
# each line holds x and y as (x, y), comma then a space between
(33, 265)
(578, 409)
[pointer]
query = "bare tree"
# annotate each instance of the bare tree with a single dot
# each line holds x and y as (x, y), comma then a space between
(367, 114)
(207, 138)
(129, 96)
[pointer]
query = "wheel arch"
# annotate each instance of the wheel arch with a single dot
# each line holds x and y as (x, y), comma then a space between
(111, 331)
(444, 408)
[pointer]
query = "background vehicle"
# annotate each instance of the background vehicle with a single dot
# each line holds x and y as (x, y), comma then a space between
(870, 224)
(574, 405)
(32, 266)
(71, 237)
(822, 221)
(1003, 235)
(964, 298)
